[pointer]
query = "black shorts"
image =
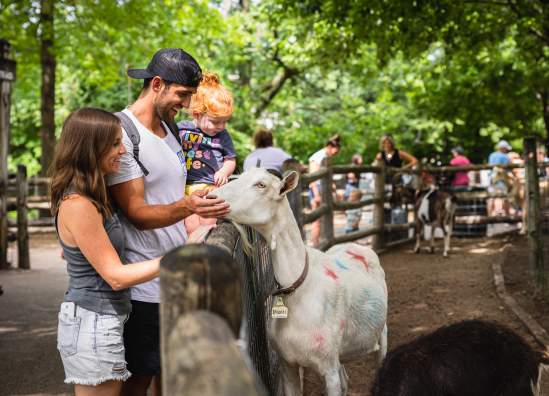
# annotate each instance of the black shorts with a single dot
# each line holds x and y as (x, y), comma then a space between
(142, 339)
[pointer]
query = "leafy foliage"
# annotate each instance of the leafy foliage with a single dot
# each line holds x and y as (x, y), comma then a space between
(433, 73)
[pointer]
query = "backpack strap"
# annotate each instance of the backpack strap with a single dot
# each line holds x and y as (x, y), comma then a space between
(172, 126)
(133, 134)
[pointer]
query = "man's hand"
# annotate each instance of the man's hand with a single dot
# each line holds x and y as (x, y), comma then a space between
(211, 207)
(220, 178)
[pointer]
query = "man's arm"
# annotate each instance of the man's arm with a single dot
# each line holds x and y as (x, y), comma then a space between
(130, 197)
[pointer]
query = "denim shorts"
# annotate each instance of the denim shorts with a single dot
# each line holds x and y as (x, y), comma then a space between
(91, 345)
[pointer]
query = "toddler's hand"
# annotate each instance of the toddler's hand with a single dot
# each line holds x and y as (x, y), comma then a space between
(220, 178)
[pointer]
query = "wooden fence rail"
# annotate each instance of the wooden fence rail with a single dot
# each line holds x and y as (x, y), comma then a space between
(21, 201)
(325, 212)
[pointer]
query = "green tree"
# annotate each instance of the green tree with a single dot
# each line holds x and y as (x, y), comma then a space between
(461, 29)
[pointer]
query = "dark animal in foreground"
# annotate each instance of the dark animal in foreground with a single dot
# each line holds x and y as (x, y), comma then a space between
(470, 358)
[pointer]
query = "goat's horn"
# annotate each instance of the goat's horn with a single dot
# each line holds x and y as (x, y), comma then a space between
(258, 163)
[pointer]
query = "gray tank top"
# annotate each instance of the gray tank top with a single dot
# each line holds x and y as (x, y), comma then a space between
(86, 287)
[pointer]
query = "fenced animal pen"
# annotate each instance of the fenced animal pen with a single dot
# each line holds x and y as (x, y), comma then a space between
(257, 273)
(256, 270)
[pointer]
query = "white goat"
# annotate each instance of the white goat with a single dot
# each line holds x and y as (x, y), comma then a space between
(340, 308)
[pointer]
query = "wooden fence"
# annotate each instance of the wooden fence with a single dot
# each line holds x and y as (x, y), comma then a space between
(20, 200)
(199, 349)
(201, 317)
(24, 194)
(27, 194)
(329, 205)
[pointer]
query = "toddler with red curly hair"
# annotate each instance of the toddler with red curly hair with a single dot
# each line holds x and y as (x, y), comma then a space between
(210, 156)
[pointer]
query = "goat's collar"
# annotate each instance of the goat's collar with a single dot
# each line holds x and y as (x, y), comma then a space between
(292, 288)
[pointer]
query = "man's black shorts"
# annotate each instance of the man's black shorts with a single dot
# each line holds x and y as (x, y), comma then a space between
(142, 339)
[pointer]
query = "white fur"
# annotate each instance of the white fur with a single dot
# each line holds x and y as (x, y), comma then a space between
(339, 311)
(423, 212)
(536, 388)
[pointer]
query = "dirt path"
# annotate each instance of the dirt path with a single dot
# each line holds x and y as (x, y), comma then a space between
(425, 292)
(520, 282)
(30, 363)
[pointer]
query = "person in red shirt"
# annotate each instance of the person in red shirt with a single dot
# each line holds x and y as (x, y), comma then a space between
(461, 179)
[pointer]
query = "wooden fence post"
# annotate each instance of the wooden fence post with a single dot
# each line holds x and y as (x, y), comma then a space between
(23, 261)
(196, 277)
(204, 360)
(327, 220)
(379, 214)
(7, 76)
(535, 247)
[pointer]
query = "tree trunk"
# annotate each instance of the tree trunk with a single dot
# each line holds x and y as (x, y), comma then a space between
(47, 60)
(244, 5)
(274, 88)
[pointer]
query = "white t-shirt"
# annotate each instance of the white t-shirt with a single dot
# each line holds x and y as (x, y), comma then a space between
(271, 158)
(164, 184)
(318, 157)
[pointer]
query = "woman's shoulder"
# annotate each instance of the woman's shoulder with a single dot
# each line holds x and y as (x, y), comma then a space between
(318, 156)
(76, 204)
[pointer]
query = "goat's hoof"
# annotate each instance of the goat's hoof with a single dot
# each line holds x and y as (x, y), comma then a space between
(416, 250)
(445, 255)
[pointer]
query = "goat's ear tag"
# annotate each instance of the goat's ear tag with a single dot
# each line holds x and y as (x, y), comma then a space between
(279, 310)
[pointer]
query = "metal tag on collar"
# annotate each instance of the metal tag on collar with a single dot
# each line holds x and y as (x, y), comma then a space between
(279, 310)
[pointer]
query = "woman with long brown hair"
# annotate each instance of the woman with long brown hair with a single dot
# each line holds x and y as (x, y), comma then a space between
(97, 301)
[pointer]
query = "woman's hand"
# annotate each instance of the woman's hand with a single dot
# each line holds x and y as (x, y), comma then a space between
(200, 233)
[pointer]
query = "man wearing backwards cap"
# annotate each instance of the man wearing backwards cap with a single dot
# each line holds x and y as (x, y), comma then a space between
(153, 205)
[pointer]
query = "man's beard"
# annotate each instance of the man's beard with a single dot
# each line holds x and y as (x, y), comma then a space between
(162, 109)
(163, 113)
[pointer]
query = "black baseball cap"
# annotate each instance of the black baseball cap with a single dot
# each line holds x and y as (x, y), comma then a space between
(173, 65)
